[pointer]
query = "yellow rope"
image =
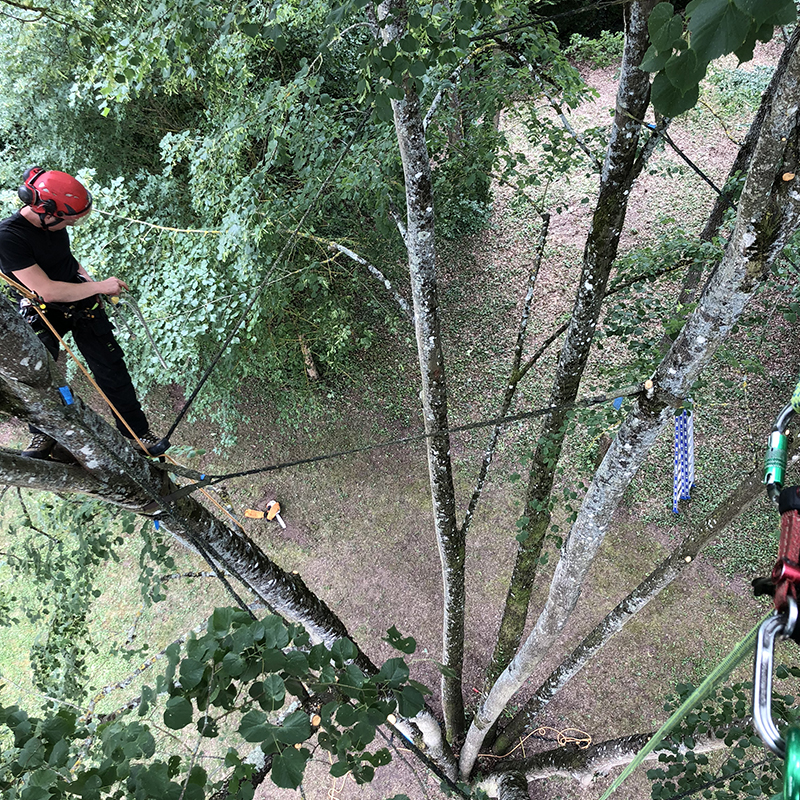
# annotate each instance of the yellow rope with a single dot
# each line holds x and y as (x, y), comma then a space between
(37, 304)
(563, 738)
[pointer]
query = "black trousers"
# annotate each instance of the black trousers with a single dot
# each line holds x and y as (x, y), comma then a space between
(94, 338)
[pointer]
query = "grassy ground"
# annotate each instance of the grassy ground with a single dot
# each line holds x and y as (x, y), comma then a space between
(358, 527)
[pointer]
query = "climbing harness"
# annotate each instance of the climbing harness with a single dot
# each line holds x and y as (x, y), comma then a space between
(783, 585)
(40, 307)
(683, 472)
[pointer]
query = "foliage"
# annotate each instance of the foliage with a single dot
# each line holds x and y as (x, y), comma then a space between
(226, 120)
(746, 770)
(252, 669)
(603, 51)
(739, 90)
(636, 315)
(57, 547)
(681, 50)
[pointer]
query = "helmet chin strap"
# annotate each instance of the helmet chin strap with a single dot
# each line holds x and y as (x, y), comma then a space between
(47, 225)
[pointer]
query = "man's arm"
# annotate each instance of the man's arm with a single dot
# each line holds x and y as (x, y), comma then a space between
(35, 278)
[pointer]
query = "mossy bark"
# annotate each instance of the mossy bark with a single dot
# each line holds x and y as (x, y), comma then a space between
(681, 558)
(619, 171)
(768, 216)
(421, 247)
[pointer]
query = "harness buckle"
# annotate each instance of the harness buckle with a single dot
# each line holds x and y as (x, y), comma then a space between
(780, 625)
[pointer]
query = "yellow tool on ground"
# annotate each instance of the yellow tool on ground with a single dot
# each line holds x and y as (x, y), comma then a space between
(272, 512)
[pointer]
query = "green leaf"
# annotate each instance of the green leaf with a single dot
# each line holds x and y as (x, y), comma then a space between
(669, 100)
(409, 702)
(295, 729)
(409, 43)
(717, 27)
(776, 12)
(220, 622)
(288, 768)
(191, 673)
(684, 71)
(395, 639)
(346, 716)
(274, 693)
(394, 672)
(232, 665)
(340, 769)
(275, 633)
(177, 713)
(343, 650)
(253, 726)
(207, 726)
(296, 663)
(664, 26)
(654, 61)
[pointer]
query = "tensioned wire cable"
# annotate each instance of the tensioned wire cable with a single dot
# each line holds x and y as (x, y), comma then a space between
(208, 479)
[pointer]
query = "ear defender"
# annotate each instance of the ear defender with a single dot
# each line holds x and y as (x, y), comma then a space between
(27, 192)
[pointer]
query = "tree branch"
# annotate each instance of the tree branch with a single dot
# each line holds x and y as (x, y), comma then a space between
(514, 378)
(648, 589)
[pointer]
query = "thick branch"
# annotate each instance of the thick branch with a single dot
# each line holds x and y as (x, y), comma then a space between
(584, 765)
(768, 215)
(421, 247)
(619, 171)
(659, 579)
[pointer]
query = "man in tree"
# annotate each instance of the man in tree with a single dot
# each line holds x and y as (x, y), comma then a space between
(35, 252)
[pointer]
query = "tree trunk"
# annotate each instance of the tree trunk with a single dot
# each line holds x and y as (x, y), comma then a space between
(421, 247)
(662, 576)
(738, 168)
(768, 215)
(619, 171)
(111, 469)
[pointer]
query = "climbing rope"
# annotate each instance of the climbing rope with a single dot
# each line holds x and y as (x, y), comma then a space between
(723, 669)
(204, 479)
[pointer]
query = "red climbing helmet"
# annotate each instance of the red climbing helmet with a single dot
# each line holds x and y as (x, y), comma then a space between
(55, 193)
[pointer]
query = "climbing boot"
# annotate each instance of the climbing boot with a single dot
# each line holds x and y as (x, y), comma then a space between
(41, 445)
(155, 446)
(62, 455)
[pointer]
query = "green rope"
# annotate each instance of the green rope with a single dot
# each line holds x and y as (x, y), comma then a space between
(795, 401)
(723, 669)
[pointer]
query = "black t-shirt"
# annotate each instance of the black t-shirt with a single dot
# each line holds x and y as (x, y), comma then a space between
(22, 245)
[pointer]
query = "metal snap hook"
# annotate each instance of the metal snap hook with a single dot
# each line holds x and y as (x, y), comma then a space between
(779, 625)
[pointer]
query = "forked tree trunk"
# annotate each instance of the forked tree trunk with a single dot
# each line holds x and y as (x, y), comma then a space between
(421, 246)
(768, 215)
(619, 172)
(660, 578)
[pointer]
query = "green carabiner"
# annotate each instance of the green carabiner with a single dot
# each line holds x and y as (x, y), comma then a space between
(791, 775)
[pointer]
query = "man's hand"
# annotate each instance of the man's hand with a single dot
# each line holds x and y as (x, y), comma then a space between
(112, 286)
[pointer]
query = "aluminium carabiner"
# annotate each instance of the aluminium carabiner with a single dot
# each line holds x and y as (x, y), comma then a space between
(778, 625)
